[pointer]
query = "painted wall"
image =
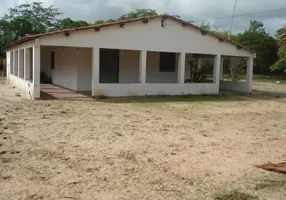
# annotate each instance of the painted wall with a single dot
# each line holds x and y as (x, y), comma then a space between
(25, 86)
(235, 86)
(83, 60)
(151, 36)
(116, 90)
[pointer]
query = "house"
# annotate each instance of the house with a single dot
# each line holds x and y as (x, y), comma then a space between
(151, 55)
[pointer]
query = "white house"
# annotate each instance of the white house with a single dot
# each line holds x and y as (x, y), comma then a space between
(143, 56)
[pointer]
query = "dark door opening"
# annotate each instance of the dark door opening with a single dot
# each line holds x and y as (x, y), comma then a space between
(109, 66)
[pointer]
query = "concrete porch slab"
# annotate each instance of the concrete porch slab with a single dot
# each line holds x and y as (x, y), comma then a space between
(50, 92)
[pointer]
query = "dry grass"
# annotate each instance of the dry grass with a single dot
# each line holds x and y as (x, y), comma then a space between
(142, 148)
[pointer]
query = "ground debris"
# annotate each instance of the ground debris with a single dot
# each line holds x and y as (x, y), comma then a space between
(280, 167)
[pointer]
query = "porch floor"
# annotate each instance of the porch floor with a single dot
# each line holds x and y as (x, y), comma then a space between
(49, 92)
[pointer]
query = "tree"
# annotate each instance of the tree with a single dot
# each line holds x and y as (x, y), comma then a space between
(280, 65)
(26, 19)
(99, 22)
(262, 43)
(68, 23)
(37, 19)
(137, 13)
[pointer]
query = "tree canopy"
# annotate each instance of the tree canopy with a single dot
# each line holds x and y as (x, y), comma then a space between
(280, 65)
(68, 23)
(262, 43)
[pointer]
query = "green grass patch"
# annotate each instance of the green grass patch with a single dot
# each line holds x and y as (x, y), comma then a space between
(273, 79)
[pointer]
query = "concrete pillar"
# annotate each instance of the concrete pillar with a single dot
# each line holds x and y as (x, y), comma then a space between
(14, 63)
(21, 63)
(36, 71)
(181, 68)
(217, 64)
(27, 64)
(95, 69)
(199, 63)
(221, 69)
(8, 65)
(249, 73)
(142, 67)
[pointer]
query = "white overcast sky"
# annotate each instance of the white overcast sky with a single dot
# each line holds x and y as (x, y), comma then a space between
(190, 10)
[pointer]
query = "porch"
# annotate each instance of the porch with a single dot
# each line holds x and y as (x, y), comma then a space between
(111, 72)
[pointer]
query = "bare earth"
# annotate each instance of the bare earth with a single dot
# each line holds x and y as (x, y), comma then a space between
(143, 148)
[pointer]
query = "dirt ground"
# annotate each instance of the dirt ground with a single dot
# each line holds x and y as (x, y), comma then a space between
(143, 148)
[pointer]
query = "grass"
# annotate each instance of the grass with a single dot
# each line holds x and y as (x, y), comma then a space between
(170, 99)
(264, 78)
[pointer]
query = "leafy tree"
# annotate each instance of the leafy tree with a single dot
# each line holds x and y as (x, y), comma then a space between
(68, 23)
(265, 46)
(99, 22)
(26, 19)
(280, 65)
(137, 13)
(110, 20)
(35, 17)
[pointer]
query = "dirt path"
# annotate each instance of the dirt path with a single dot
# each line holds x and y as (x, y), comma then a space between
(119, 150)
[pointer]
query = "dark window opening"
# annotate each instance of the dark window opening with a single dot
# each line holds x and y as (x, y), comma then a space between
(52, 60)
(167, 62)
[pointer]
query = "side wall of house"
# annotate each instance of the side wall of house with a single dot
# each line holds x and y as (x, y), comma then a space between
(23, 83)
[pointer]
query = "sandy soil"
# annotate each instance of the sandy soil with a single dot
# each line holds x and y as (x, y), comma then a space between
(121, 149)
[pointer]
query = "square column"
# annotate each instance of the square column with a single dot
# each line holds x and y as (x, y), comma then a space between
(199, 62)
(249, 73)
(21, 63)
(14, 62)
(221, 69)
(27, 64)
(95, 69)
(181, 68)
(142, 67)
(8, 65)
(217, 65)
(36, 71)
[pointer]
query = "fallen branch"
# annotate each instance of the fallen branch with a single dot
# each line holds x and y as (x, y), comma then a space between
(280, 167)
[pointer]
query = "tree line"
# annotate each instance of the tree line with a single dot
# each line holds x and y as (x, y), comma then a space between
(34, 18)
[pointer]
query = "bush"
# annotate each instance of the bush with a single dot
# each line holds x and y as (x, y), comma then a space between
(45, 79)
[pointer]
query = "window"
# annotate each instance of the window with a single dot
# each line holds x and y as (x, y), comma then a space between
(52, 60)
(167, 62)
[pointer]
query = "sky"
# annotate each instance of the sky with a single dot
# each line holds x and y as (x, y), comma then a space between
(189, 10)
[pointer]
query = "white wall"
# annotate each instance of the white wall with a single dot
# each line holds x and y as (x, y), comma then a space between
(153, 74)
(84, 69)
(25, 86)
(114, 90)
(150, 36)
(129, 66)
(234, 86)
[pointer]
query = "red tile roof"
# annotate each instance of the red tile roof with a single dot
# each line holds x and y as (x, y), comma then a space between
(32, 37)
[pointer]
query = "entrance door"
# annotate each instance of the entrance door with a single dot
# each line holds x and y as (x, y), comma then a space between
(109, 66)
